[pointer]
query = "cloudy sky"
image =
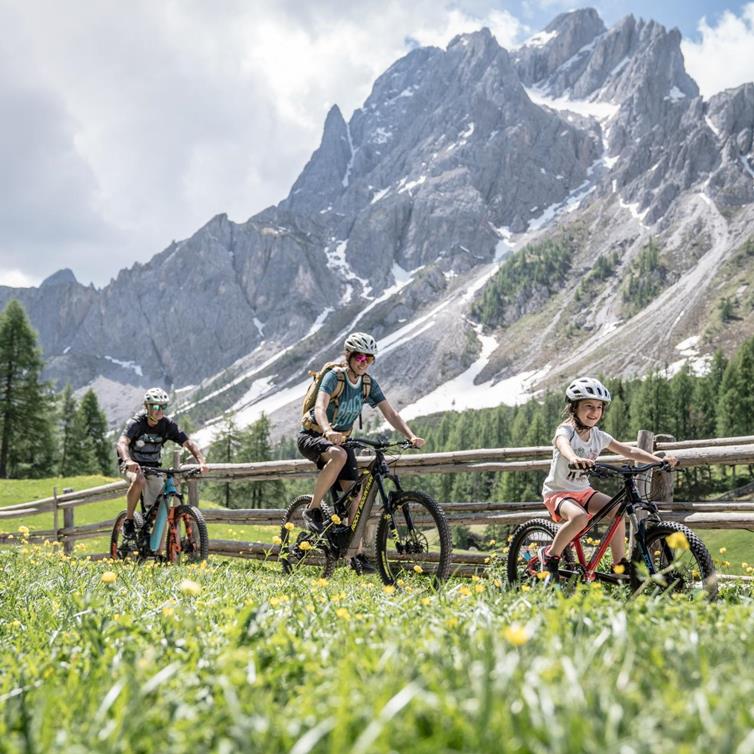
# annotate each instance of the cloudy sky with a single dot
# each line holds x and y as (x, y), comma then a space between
(128, 125)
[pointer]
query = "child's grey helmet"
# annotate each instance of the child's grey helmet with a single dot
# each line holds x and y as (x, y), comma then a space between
(587, 387)
(360, 342)
(156, 395)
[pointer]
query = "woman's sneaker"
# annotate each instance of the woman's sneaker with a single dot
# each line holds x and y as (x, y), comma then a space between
(313, 520)
(361, 564)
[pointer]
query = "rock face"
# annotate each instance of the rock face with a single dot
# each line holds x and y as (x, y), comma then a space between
(457, 158)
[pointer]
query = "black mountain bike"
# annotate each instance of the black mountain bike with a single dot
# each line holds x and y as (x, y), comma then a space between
(412, 535)
(186, 539)
(664, 554)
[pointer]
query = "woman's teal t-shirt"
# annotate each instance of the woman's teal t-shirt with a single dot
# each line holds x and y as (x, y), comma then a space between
(351, 400)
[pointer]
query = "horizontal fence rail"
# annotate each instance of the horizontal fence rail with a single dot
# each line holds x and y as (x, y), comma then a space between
(714, 514)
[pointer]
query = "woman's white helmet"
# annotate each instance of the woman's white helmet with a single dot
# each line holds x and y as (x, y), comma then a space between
(156, 395)
(587, 387)
(360, 342)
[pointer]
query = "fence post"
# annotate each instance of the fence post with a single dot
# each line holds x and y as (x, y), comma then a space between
(55, 514)
(193, 484)
(67, 523)
(662, 481)
(646, 441)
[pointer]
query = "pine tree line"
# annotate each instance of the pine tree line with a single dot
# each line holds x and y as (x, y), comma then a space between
(234, 445)
(43, 433)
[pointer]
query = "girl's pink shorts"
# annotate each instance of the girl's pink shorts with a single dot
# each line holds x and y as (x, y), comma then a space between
(553, 501)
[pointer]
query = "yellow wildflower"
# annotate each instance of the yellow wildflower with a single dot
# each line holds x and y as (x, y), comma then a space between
(335, 518)
(108, 577)
(464, 591)
(723, 550)
(525, 588)
(321, 582)
(418, 569)
(168, 612)
(515, 634)
(342, 613)
(288, 525)
(277, 541)
(425, 601)
(479, 588)
(389, 589)
(305, 546)
(187, 586)
(23, 531)
(498, 583)
(618, 568)
(677, 540)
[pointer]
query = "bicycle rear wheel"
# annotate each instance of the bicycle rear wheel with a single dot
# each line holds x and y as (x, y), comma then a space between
(527, 541)
(302, 551)
(192, 544)
(681, 568)
(120, 547)
(414, 540)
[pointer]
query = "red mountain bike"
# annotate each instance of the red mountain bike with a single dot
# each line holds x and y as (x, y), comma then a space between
(658, 558)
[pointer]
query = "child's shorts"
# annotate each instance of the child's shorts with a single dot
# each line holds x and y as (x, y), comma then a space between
(554, 500)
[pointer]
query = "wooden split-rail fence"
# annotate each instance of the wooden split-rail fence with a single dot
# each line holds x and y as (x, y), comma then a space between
(715, 514)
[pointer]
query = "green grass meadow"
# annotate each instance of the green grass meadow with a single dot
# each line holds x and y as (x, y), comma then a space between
(232, 656)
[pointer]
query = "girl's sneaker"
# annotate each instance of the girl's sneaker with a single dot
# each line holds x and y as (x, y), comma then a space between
(549, 564)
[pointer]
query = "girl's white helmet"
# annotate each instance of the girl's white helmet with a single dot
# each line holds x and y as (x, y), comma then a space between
(156, 395)
(360, 342)
(587, 387)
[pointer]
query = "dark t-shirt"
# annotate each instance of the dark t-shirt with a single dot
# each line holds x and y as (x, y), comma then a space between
(145, 442)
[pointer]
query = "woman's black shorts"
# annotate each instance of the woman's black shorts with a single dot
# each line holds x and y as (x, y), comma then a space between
(312, 445)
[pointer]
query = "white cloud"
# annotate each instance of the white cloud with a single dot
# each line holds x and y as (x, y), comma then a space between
(124, 129)
(724, 57)
(15, 279)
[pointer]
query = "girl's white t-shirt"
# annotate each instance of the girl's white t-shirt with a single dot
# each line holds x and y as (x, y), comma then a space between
(557, 480)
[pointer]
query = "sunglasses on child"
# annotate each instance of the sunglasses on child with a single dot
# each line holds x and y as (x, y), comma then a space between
(363, 358)
(157, 406)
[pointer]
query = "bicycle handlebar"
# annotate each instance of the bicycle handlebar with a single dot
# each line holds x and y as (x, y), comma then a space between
(606, 470)
(153, 470)
(377, 444)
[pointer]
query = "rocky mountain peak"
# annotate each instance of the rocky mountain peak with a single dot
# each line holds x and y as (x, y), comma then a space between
(61, 277)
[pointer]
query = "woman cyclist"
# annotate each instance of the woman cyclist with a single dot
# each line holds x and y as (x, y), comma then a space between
(577, 444)
(342, 393)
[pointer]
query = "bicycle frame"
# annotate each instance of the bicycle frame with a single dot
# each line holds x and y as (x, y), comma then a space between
(626, 501)
(164, 517)
(368, 486)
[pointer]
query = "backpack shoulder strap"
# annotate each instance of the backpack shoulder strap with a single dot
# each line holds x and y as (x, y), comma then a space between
(366, 387)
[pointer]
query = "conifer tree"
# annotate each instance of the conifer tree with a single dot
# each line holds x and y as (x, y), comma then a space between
(255, 446)
(92, 424)
(26, 438)
(224, 449)
(69, 442)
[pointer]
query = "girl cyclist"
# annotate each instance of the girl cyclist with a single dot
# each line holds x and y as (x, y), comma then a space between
(577, 444)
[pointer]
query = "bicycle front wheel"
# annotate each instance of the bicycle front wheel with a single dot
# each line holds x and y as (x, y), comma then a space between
(302, 551)
(413, 539)
(679, 563)
(190, 540)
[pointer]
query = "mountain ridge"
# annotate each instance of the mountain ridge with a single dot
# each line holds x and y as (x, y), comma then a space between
(457, 159)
